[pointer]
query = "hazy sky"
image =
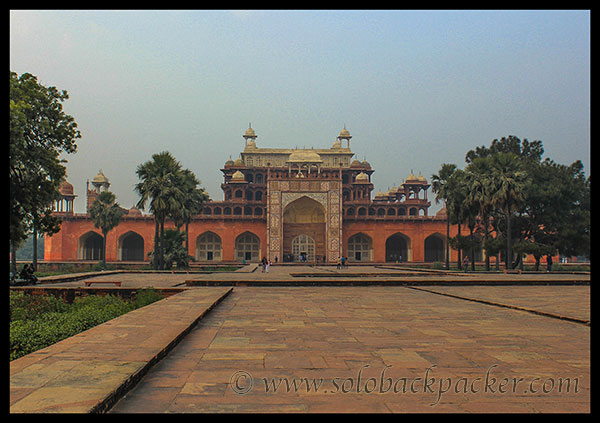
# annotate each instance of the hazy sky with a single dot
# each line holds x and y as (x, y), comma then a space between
(415, 88)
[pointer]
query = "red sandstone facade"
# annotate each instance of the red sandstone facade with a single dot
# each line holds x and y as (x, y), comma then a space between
(283, 204)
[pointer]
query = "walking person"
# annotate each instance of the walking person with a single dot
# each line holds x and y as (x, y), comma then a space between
(466, 263)
(267, 263)
(549, 263)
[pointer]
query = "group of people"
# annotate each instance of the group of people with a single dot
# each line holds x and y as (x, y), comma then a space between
(548, 263)
(342, 262)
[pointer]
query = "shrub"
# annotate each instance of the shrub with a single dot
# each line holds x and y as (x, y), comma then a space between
(146, 296)
(38, 321)
(26, 307)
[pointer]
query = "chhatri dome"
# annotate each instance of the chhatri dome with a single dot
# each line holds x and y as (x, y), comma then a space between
(344, 134)
(304, 156)
(100, 178)
(362, 177)
(250, 132)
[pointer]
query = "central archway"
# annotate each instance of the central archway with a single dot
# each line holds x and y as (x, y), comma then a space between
(303, 216)
(303, 248)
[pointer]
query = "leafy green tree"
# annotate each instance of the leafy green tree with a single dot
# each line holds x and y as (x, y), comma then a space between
(106, 215)
(39, 131)
(573, 237)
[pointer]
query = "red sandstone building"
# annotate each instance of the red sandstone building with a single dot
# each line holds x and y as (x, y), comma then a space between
(283, 204)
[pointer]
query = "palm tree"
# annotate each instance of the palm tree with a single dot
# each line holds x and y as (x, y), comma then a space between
(193, 201)
(160, 186)
(439, 185)
(507, 191)
(456, 208)
(106, 214)
(479, 195)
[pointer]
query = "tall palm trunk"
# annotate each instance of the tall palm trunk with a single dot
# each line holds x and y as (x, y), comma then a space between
(486, 235)
(104, 250)
(447, 241)
(162, 244)
(156, 244)
(508, 240)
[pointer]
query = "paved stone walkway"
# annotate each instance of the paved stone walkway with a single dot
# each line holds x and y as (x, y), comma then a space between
(322, 349)
(369, 350)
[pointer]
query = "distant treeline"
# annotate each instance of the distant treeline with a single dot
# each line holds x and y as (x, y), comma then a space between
(26, 250)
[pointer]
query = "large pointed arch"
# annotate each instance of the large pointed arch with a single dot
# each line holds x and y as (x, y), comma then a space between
(360, 247)
(209, 247)
(398, 248)
(89, 246)
(247, 247)
(130, 247)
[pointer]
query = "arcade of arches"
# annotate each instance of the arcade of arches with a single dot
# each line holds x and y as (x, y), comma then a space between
(285, 204)
(302, 239)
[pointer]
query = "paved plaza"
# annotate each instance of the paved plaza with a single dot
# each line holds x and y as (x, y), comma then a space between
(387, 347)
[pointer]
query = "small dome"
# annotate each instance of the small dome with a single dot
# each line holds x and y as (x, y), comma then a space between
(379, 194)
(421, 178)
(366, 164)
(356, 163)
(393, 190)
(229, 162)
(133, 211)
(100, 178)
(344, 133)
(250, 133)
(304, 156)
(362, 177)
(238, 162)
(65, 188)
(337, 144)
(238, 176)
(412, 178)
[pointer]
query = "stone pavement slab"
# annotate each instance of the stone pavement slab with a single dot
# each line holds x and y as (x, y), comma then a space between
(376, 349)
(89, 371)
(571, 302)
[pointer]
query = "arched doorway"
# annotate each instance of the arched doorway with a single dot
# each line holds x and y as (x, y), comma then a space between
(303, 216)
(303, 248)
(208, 247)
(131, 247)
(360, 247)
(247, 247)
(90, 246)
(434, 248)
(397, 248)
